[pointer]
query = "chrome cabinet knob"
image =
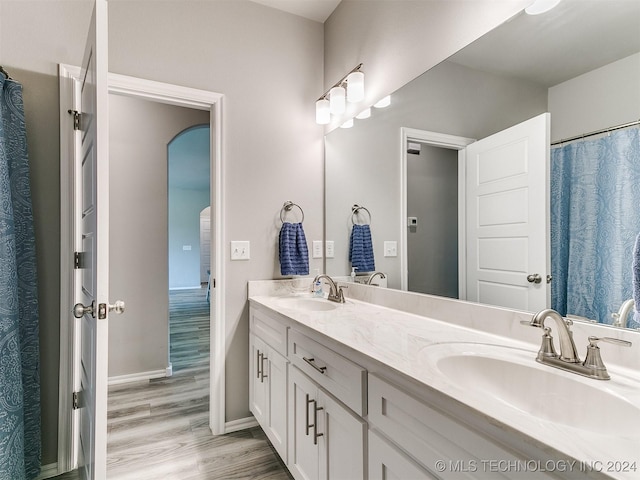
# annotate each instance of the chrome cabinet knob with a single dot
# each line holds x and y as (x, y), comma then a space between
(534, 278)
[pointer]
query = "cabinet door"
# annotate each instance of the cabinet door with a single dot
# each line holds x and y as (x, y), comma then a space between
(387, 463)
(257, 387)
(303, 453)
(276, 422)
(343, 441)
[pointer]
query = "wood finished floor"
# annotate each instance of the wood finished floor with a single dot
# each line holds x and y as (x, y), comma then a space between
(159, 429)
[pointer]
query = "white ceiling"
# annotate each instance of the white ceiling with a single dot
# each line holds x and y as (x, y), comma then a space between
(318, 10)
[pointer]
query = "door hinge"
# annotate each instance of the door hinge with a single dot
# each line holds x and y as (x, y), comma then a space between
(76, 118)
(76, 400)
(79, 260)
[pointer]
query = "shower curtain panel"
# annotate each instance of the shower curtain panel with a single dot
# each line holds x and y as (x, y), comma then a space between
(19, 349)
(595, 218)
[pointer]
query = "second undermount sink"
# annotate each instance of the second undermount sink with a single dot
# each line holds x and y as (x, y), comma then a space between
(309, 304)
(512, 378)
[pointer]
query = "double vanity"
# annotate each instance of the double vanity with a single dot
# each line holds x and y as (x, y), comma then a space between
(391, 384)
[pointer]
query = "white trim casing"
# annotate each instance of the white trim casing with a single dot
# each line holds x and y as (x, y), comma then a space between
(442, 140)
(138, 377)
(69, 144)
(168, 94)
(240, 424)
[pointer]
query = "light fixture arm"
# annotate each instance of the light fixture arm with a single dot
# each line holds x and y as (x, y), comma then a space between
(341, 81)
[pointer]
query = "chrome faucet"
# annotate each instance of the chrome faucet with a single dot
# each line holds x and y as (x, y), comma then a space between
(372, 276)
(620, 318)
(335, 293)
(568, 359)
(568, 352)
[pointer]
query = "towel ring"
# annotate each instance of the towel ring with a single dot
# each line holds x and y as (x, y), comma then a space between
(354, 212)
(287, 207)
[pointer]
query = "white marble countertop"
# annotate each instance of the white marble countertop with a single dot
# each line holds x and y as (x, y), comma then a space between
(402, 342)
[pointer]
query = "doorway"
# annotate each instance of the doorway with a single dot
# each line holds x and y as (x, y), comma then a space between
(209, 102)
(447, 153)
(432, 221)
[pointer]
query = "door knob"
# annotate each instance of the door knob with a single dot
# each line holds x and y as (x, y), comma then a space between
(79, 310)
(534, 278)
(117, 307)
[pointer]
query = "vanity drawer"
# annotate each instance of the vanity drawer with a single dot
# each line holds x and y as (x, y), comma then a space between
(270, 330)
(430, 436)
(344, 379)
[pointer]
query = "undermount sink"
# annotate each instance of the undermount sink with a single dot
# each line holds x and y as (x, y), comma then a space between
(512, 377)
(308, 304)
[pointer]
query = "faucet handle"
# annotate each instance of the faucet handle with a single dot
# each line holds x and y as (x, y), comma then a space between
(593, 341)
(593, 359)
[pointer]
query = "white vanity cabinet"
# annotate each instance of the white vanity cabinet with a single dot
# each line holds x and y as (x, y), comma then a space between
(268, 378)
(326, 440)
(418, 437)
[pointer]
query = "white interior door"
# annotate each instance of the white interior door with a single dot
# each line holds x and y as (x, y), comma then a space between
(507, 223)
(92, 236)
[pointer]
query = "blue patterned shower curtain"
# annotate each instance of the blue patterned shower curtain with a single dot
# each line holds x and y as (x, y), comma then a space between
(595, 218)
(19, 347)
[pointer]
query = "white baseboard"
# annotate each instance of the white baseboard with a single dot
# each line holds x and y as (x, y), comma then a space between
(169, 370)
(48, 471)
(240, 424)
(138, 377)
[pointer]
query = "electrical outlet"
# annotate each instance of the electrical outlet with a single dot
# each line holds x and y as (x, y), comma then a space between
(317, 249)
(330, 250)
(390, 249)
(240, 250)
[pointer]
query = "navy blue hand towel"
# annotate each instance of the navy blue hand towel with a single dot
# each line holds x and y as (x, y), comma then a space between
(361, 249)
(294, 254)
(636, 279)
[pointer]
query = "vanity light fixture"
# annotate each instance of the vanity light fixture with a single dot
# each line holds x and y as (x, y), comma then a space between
(347, 124)
(383, 102)
(366, 113)
(355, 87)
(337, 103)
(334, 101)
(323, 112)
(541, 6)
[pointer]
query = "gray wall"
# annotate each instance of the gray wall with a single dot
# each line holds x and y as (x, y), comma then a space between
(185, 206)
(602, 98)
(432, 197)
(139, 132)
(189, 194)
(270, 82)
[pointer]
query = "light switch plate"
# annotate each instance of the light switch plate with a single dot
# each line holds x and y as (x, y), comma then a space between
(317, 249)
(390, 249)
(330, 251)
(240, 250)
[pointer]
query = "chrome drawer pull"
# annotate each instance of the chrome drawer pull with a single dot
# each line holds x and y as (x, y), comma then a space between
(262, 375)
(306, 413)
(311, 361)
(316, 435)
(259, 362)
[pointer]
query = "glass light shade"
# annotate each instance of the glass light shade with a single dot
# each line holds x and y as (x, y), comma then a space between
(541, 6)
(323, 115)
(366, 113)
(347, 124)
(337, 102)
(355, 87)
(383, 102)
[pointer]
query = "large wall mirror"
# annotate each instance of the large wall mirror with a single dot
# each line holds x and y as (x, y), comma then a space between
(407, 165)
